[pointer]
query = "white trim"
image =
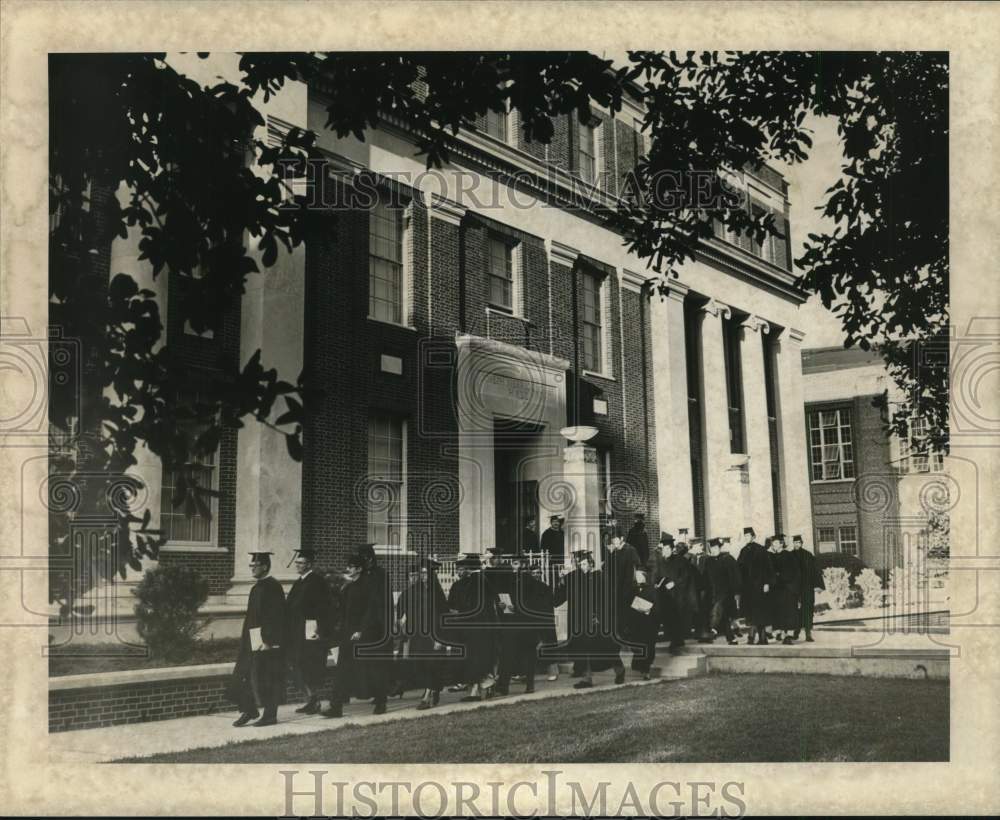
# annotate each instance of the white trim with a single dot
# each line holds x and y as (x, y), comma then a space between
(597, 375)
(192, 546)
(391, 324)
(830, 480)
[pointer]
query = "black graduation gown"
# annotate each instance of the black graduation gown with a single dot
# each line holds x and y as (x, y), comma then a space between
(522, 627)
(259, 677)
(756, 569)
(422, 606)
(309, 599)
(723, 576)
(553, 542)
(364, 666)
(700, 592)
(676, 602)
(474, 624)
(639, 539)
(529, 540)
(643, 629)
(785, 592)
(589, 622)
(810, 579)
(619, 574)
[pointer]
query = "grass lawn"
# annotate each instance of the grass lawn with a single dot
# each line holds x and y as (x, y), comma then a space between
(720, 718)
(88, 658)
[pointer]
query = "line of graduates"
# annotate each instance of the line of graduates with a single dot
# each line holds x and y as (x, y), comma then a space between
(701, 595)
(497, 622)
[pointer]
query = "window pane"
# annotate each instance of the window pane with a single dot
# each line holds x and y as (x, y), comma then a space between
(385, 269)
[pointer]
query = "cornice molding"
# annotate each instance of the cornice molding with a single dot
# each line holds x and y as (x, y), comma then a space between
(445, 209)
(561, 254)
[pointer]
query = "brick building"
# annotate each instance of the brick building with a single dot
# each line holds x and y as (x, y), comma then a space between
(465, 326)
(868, 489)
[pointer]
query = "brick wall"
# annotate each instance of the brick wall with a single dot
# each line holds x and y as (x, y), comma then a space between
(97, 706)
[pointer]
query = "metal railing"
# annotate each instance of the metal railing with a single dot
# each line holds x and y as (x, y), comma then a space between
(448, 571)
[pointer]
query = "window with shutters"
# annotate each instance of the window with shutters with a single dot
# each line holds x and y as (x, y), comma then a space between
(386, 263)
(387, 480)
(831, 445)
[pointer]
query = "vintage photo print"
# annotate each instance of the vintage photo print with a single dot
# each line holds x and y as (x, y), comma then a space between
(407, 410)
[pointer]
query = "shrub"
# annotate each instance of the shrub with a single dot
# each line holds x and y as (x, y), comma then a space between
(838, 586)
(851, 563)
(871, 588)
(167, 610)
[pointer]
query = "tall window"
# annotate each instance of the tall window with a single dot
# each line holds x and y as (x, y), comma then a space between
(586, 151)
(731, 333)
(848, 540)
(692, 356)
(385, 263)
(496, 124)
(387, 477)
(771, 398)
(830, 444)
(593, 349)
(501, 273)
(186, 513)
(915, 455)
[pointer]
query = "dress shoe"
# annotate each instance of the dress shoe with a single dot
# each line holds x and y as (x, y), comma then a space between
(336, 710)
(583, 684)
(436, 697)
(379, 708)
(266, 720)
(424, 704)
(309, 708)
(246, 717)
(552, 677)
(529, 688)
(809, 638)
(788, 641)
(620, 676)
(731, 642)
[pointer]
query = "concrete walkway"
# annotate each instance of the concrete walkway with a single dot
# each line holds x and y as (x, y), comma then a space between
(181, 734)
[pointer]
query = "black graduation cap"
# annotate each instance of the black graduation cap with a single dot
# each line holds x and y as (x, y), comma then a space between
(255, 555)
(640, 516)
(581, 554)
(469, 561)
(556, 518)
(355, 561)
(715, 542)
(749, 531)
(683, 531)
(366, 551)
(307, 553)
(667, 538)
(798, 538)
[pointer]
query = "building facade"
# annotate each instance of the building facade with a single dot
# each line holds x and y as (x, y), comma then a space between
(490, 353)
(868, 489)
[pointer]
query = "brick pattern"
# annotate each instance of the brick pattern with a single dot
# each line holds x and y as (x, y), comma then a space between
(92, 708)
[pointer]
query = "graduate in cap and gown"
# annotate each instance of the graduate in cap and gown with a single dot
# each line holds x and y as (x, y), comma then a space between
(639, 538)
(420, 611)
(723, 574)
(474, 622)
(810, 579)
(699, 591)
(530, 602)
(365, 657)
(553, 540)
(785, 617)
(308, 628)
(544, 610)
(259, 675)
(757, 574)
(619, 571)
(672, 575)
(643, 618)
(590, 621)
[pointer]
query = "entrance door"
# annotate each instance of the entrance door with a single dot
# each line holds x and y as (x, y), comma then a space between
(527, 508)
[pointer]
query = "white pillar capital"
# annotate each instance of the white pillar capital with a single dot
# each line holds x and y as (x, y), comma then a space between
(713, 307)
(756, 324)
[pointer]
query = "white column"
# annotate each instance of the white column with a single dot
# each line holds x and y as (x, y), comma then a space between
(581, 474)
(790, 411)
(719, 486)
(670, 402)
(268, 480)
(758, 441)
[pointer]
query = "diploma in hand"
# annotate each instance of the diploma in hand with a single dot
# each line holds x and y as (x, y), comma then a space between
(256, 640)
(311, 631)
(641, 605)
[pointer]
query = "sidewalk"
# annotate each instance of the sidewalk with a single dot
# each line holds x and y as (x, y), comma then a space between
(182, 734)
(143, 739)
